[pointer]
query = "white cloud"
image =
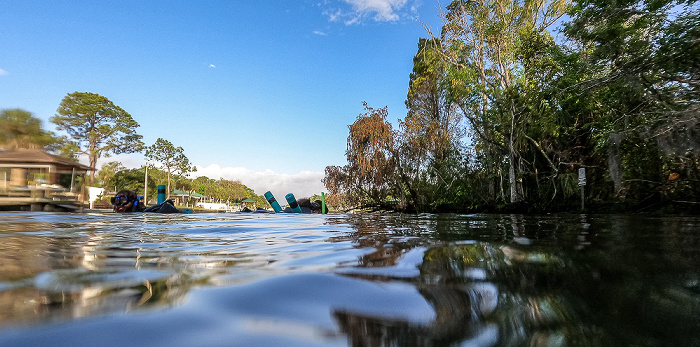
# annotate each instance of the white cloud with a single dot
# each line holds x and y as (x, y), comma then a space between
(129, 161)
(334, 16)
(3, 72)
(302, 184)
(212, 66)
(353, 20)
(385, 10)
(378, 10)
(320, 33)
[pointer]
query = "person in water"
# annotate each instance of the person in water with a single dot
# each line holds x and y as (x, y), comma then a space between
(258, 209)
(307, 206)
(127, 201)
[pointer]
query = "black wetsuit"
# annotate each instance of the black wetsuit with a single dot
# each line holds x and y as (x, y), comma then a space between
(166, 206)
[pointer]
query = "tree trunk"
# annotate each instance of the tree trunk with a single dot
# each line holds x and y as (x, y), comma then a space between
(93, 164)
(614, 161)
(515, 184)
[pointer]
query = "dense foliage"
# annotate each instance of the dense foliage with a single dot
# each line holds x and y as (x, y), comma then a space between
(501, 114)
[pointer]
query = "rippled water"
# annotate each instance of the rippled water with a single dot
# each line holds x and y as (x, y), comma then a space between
(359, 279)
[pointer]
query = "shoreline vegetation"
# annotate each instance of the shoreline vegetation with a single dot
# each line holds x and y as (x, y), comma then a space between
(513, 106)
(657, 209)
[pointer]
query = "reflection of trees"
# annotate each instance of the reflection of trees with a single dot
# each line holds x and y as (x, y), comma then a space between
(30, 304)
(379, 232)
(459, 313)
(473, 288)
(85, 270)
(645, 281)
(559, 279)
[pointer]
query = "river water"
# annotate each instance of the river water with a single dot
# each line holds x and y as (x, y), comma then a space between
(348, 279)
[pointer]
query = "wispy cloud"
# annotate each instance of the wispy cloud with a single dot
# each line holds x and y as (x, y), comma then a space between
(377, 10)
(3, 72)
(385, 10)
(334, 16)
(212, 66)
(302, 184)
(320, 33)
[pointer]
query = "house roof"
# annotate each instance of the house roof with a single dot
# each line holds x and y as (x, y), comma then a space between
(248, 200)
(186, 193)
(38, 156)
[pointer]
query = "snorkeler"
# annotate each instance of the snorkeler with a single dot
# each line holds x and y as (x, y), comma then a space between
(127, 201)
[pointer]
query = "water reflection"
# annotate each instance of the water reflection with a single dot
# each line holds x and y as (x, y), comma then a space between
(559, 280)
(362, 279)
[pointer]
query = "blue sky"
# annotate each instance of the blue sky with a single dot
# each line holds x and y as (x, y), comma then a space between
(260, 91)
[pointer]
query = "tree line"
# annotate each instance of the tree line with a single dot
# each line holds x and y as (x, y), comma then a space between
(98, 128)
(114, 176)
(502, 114)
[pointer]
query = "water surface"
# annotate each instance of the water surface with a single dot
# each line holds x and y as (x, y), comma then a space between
(356, 279)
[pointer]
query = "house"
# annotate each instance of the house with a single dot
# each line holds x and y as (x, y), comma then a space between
(183, 197)
(250, 203)
(36, 180)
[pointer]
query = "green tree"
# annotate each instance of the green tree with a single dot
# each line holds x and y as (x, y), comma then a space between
(480, 41)
(133, 179)
(225, 190)
(107, 173)
(97, 126)
(155, 175)
(182, 182)
(431, 131)
(231, 190)
(640, 65)
(20, 129)
(172, 159)
(204, 185)
(555, 139)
